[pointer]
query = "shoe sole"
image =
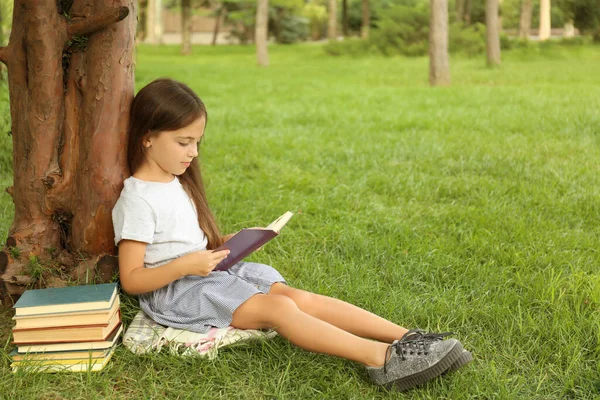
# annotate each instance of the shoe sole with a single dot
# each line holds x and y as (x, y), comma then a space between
(434, 371)
(465, 358)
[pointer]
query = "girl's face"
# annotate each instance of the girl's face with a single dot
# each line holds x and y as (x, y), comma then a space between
(171, 152)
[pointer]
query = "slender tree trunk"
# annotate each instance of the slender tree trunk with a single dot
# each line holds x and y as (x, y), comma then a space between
(154, 24)
(366, 19)
(544, 19)
(439, 65)
(492, 36)
(260, 37)
(345, 23)
(150, 21)
(221, 12)
(460, 10)
(467, 14)
(69, 107)
(142, 11)
(158, 21)
(500, 16)
(332, 26)
(186, 27)
(525, 21)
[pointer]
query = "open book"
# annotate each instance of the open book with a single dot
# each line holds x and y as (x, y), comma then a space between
(246, 241)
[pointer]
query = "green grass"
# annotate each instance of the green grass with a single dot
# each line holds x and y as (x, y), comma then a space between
(472, 208)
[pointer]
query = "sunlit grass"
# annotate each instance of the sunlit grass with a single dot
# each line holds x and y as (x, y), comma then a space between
(472, 208)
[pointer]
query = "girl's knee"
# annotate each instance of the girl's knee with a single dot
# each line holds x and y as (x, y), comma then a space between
(303, 299)
(279, 303)
(262, 311)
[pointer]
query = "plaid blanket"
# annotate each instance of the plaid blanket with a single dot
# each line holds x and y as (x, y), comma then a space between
(146, 336)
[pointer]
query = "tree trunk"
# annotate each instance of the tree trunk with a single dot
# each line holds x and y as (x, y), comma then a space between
(439, 66)
(154, 25)
(544, 19)
(260, 37)
(158, 21)
(70, 84)
(345, 22)
(366, 19)
(332, 26)
(150, 18)
(492, 36)
(141, 27)
(460, 10)
(525, 22)
(467, 14)
(221, 12)
(186, 27)
(499, 17)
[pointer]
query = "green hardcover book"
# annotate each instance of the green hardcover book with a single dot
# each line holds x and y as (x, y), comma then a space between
(66, 299)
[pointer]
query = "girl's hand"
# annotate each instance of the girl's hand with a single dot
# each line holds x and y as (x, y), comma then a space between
(201, 263)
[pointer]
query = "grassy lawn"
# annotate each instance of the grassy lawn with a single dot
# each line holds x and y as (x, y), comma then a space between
(471, 209)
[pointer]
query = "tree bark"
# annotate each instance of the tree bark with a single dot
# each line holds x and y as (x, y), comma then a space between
(492, 36)
(186, 27)
(439, 66)
(345, 21)
(544, 19)
(366, 19)
(69, 103)
(525, 21)
(332, 26)
(260, 37)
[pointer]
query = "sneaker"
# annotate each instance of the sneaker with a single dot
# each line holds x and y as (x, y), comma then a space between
(465, 358)
(414, 360)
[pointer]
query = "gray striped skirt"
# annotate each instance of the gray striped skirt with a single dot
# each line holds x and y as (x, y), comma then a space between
(197, 303)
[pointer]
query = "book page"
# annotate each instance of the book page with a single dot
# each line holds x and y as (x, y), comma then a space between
(280, 222)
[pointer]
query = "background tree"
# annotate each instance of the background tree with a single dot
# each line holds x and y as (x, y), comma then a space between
(141, 26)
(366, 19)
(439, 65)
(70, 76)
(525, 20)
(154, 22)
(186, 26)
(544, 32)
(332, 26)
(345, 20)
(492, 33)
(220, 13)
(262, 18)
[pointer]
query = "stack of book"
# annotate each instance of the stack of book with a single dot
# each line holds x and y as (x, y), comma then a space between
(73, 328)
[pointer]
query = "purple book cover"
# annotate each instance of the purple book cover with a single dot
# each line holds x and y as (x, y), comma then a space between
(242, 244)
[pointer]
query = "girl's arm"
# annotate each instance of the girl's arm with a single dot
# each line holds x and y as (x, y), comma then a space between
(136, 279)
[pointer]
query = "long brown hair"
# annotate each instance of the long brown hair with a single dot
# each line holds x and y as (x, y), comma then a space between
(168, 105)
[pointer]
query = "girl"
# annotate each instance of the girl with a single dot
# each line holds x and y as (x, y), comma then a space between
(166, 235)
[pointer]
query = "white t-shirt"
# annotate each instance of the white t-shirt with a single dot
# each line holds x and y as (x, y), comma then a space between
(160, 214)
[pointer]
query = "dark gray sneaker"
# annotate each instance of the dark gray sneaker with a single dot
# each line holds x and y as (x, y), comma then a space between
(414, 360)
(465, 358)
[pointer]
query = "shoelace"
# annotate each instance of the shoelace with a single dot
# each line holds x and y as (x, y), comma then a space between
(413, 341)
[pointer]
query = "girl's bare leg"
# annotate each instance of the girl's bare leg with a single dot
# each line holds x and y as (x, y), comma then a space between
(344, 315)
(305, 331)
